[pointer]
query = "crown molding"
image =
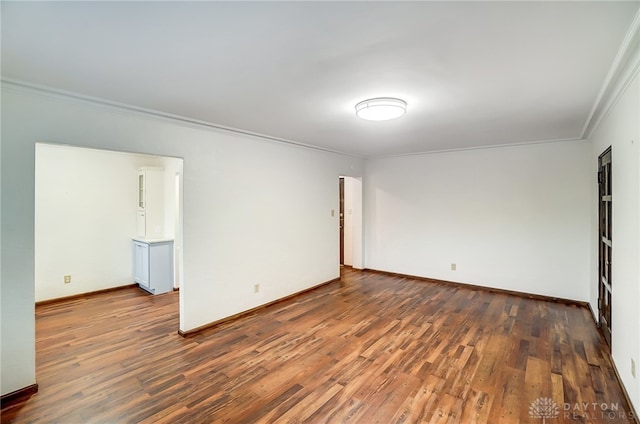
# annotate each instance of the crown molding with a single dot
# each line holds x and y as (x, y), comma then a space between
(492, 146)
(9, 83)
(623, 70)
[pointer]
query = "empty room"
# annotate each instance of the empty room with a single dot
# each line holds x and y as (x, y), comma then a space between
(322, 211)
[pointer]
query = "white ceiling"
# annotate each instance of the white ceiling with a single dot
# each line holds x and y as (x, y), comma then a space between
(473, 73)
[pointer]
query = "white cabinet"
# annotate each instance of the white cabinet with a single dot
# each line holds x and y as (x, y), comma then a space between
(141, 263)
(150, 219)
(152, 250)
(153, 265)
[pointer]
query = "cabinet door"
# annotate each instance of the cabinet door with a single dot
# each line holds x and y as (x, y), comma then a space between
(161, 267)
(141, 263)
(141, 190)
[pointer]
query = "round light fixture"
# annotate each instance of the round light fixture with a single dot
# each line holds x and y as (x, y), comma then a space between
(381, 109)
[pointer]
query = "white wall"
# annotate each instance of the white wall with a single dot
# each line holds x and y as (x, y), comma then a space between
(620, 129)
(246, 221)
(514, 218)
(85, 208)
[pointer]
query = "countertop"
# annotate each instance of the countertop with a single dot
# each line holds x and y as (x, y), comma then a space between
(152, 240)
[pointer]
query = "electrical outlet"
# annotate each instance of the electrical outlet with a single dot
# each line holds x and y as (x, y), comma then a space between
(633, 368)
(453, 267)
(256, 288)
(67, 279)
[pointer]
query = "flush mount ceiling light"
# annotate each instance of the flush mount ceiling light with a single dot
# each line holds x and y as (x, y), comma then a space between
(381, 109)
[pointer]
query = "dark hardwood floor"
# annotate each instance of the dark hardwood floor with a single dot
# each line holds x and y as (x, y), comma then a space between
(371, 348)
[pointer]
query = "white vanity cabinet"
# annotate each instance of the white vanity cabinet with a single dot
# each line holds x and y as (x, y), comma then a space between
(153, 265)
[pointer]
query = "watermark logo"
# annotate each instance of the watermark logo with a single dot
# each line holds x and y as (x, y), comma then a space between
(544, 408)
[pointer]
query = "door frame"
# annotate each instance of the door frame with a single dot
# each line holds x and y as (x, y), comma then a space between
(353, 221)
(605, 244)
(341, 220)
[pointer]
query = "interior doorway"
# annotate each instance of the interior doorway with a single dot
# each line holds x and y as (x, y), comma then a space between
(605, 200)
(350, 222)
(87, 213)
(177, 243)
(341, 218)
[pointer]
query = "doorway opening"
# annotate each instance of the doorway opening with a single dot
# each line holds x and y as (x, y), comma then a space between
(341, 218)
(88, 211)
(605, 201)
(350, 222)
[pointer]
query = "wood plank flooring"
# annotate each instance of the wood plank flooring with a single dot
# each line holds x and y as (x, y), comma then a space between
(371, 348)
